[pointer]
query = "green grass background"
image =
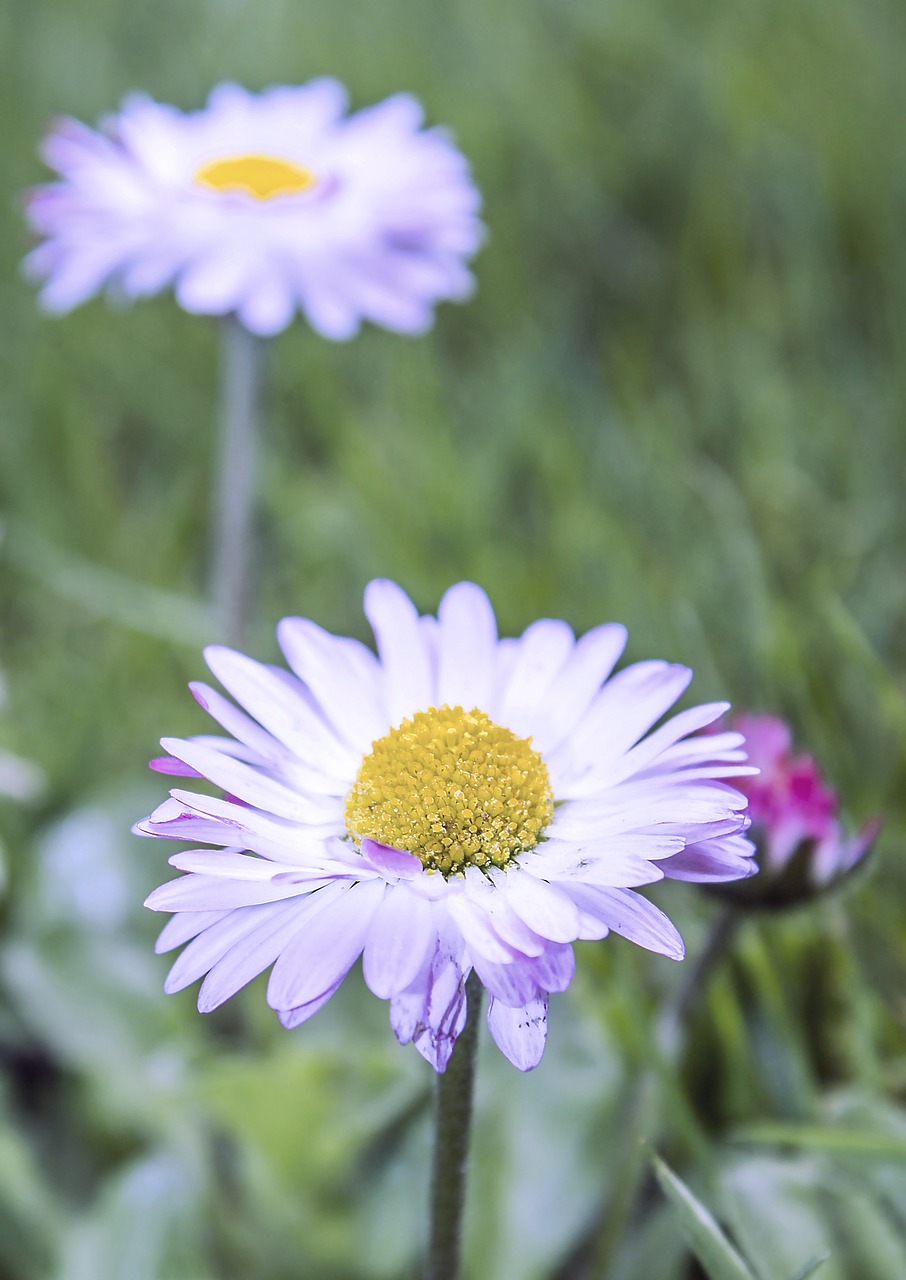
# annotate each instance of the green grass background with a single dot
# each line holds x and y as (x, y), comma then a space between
(676, 400)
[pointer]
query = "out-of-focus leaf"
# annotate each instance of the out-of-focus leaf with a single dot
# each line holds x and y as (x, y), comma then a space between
(847, 1142)
(706, 1239)
(30, 1216)
(145, 1225)
(782, 1207)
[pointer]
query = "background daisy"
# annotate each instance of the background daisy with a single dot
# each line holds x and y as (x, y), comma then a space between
(260, 205)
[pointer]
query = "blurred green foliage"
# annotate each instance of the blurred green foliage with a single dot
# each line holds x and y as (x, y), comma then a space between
(677, 400)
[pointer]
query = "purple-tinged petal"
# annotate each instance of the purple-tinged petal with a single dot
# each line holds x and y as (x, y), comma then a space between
(555, 969)
(520, 1033)
(407, 1012)
(190, 816)
(292, 1018)
(248, 784)
(218, 939)
(712, 861)
(390, 862)
(400, 936)
(512, 983)
(183, 926)
(478, 931)
(633, 917)
(326, 949)
(211, 893)
(257, 949)
(173, 768)
(445, 1002)
(541, 905)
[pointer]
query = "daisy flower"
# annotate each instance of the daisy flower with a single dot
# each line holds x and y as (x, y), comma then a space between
(801, 847)
(454, 803)
(260, 204)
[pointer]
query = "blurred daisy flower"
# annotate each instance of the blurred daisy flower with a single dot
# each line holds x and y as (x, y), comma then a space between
(801, 847)
(455, 803)
(260, 204)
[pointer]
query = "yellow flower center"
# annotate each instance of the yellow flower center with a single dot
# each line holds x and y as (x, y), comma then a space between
(261, 177)
(453, 788)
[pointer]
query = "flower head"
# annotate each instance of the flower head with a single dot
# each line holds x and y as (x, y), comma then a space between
(801, 848)
(260, 204)
(456, 802)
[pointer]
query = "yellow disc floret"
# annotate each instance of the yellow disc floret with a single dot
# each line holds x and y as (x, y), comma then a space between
(262, 177)
(453, 788)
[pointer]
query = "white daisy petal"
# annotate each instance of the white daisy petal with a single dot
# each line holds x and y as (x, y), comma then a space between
(408, 679)
(328, 946)
(183, 926)
(541, 654)
(509, 927)
(328, 668)
(399, 938)
(292, 1018)
(218, 939)
(632, 916)
(393, 807)
(645, 753)
(542, 906)
(252, 953)
(282, 707)
(467, 639)
(478, 932)
(520, 1033)
(627, 707)
(576, 685)
(251, 785)
(513, 983)
(212, 893)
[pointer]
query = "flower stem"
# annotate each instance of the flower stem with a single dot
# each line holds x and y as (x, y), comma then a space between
(452, 1121)
(241, 383)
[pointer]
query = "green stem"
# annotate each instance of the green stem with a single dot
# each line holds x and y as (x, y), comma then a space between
(452, 1121)
(241, 384)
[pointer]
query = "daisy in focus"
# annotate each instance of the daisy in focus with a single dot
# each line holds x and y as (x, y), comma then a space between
(260, 205)
(456, 802)
(801, 848)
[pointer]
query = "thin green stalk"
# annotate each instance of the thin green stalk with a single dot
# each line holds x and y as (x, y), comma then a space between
(235, 486)
(452, 1123)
